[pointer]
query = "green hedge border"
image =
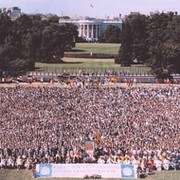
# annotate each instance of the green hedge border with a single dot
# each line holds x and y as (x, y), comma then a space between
(91, 55)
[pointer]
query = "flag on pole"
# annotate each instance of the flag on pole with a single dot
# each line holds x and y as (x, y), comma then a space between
(98, 137)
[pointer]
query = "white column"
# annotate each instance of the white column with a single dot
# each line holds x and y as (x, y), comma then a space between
(80, 30)
(92, 31)
(99, 31)
(87, 30)
(96, 31)
(83, 30)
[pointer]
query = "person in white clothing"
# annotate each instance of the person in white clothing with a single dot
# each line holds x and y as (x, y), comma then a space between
(111, 160)
(166, 164)
(158, 164)
(19, 163)
(28, 163)
(11, 162)
(3, 162)
(101, 160)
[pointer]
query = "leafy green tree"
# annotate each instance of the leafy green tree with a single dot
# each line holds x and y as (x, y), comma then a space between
(29, 39)
(52, 46)
(55, 38)
(71, 33)
(53, 19)
(26, 35)
(5, 26)
(11, 59)
(134, 39)
(164, 49)
(125, 52)
(173, 33)
(152, 40)
(138, 23)
(112, 34)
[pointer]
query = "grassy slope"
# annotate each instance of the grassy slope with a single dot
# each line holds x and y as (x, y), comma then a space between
(103, 48)
(26, 175)
(74, 64)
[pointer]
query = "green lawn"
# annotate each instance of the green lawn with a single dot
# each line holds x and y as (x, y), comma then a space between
(73, 65)
(103, 48)
(26, 175)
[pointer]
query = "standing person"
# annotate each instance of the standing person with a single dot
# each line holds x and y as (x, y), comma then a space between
(158, 164)
(3, 162)
(166, 164)
(19, 163)
(175, 163)
(11, 162)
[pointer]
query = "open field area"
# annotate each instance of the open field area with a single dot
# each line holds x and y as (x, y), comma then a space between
(73, 65)
(26, 175)
(103, 48)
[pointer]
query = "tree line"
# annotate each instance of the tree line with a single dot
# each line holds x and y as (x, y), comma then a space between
(152, 40)
(29, 39)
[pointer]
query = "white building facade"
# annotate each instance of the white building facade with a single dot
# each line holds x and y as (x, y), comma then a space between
(13, 12)
(91, 29)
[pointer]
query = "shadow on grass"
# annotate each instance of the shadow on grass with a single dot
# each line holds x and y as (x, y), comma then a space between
(61, 62)
(75, 50)
(71, 62)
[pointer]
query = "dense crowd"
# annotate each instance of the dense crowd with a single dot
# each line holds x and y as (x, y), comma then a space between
(125, 125)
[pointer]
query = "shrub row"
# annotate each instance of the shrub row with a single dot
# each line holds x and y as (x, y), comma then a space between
(91, 55)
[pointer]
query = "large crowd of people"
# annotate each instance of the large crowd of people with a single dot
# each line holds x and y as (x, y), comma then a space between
(124, 125)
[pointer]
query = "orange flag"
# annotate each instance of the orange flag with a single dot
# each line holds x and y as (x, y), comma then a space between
(98, 137)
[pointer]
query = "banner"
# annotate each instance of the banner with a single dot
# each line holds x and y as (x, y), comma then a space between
(44, 170)
(81, 170)
(128, 171)
(89, 147)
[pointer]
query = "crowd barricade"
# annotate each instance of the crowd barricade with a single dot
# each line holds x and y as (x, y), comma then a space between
(128, 171)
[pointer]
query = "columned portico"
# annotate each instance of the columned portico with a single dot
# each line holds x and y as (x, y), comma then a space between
(91, 29)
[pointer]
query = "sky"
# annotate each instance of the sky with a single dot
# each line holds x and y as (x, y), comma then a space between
(92, 8)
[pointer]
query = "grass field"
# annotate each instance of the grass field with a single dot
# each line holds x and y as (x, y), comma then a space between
(26, 175)
(103, 48)
(73, 65)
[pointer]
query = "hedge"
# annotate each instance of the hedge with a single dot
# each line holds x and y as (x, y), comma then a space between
(91, 55)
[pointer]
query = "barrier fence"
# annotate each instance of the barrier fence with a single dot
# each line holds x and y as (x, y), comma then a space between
(71, 70)
(118, 76)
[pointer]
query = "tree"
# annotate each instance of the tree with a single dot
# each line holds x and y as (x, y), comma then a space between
(152, 40)
(164, 49)
(71, 33)
(133, 44)
(5, 27)
(29, 39)
(125, 51)
(53, 19)
(17, 48)
(111, 35)
(11, 56)
(11, 59)
(55, 39)
(53, 44)
(173, 32)
(138, 23)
